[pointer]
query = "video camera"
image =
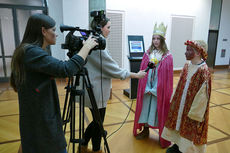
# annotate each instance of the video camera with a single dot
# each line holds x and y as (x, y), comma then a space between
(74, 43)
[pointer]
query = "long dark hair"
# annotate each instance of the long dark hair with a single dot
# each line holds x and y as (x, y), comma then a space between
(95, 23)
(32, 36)
(163, 46)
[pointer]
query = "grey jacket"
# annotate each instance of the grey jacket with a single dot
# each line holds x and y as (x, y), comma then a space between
(97, 74)
(40, 118)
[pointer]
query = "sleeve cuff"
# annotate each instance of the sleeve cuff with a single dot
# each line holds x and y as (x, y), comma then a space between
(193, 117)
(78, 60)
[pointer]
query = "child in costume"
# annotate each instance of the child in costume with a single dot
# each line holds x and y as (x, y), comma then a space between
(155, 89)
(187, 122)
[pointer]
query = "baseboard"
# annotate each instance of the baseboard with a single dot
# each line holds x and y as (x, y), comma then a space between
(221, 66)
(177, 71)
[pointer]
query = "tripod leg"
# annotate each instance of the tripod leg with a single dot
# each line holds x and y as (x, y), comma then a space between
(65, 114)
(71, 112)
(79, 93)
(96, 114)
(72, 123)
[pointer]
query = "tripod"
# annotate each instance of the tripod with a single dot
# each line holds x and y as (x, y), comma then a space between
(69, 116)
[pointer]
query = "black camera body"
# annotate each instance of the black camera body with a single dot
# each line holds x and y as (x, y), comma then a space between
(74, 43)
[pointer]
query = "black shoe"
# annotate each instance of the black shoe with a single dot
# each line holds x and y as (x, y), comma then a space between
(143, 134)
(173, 149)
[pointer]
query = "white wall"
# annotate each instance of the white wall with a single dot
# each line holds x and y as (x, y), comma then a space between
(75, 13)
(140, 17)
(68, 12)
(224, 33)
(53, 6)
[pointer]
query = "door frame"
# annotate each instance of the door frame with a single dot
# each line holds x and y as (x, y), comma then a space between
(14, 9)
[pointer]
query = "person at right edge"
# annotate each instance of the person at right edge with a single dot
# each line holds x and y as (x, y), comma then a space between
(187, 122)
(102, 68)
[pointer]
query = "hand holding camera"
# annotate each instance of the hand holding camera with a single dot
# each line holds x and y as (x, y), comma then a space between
(90, 43)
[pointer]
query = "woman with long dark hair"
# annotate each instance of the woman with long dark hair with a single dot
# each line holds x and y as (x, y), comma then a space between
(102, 68)
(32, 77)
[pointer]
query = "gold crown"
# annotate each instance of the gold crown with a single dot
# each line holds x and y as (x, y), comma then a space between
(160, 30)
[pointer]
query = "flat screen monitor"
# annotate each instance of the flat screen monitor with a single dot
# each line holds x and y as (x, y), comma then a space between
(136, 46)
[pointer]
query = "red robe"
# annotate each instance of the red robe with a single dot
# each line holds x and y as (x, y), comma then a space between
(164, 92)
(190, 129)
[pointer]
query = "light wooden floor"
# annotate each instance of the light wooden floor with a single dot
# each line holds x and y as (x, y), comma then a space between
(117, 110)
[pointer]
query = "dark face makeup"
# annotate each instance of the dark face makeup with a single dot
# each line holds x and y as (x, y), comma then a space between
(190, 53)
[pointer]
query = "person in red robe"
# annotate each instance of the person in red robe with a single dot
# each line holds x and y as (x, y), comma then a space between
(155, 89)
(187, 122)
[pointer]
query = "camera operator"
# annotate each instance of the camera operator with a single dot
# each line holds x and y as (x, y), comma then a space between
(32, 75)
(102, 68)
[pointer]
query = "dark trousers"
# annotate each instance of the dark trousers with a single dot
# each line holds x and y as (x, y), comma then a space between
(93, 131)
(63, 151)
